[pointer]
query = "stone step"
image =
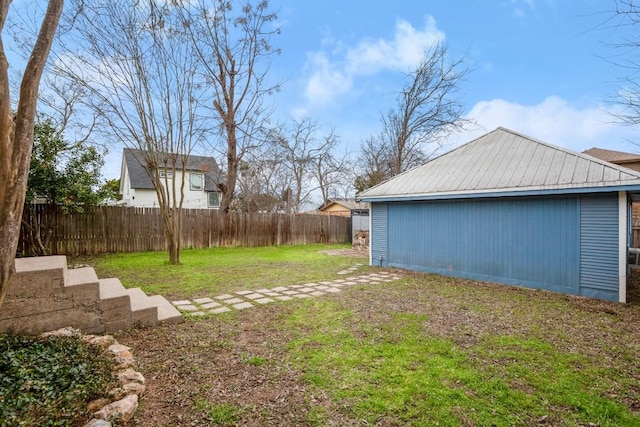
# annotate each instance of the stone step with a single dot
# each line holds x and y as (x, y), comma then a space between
(167, 313)
(143, 310)
(82, 284)
(116, 305)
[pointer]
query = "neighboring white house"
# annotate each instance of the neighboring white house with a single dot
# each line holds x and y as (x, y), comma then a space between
(200, 190)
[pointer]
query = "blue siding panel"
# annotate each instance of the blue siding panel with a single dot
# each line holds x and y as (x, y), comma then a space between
(599, 251)
(379, 235)
(521, 241)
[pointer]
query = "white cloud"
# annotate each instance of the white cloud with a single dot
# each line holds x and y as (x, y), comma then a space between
(332, 73)
(554, 121)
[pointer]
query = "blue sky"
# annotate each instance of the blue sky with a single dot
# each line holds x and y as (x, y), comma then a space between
(539, 66)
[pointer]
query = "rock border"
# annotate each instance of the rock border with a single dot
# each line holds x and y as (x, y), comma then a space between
(122, 403)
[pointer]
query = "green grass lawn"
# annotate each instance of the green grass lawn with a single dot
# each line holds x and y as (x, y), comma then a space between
(204, 272)
(424, 350)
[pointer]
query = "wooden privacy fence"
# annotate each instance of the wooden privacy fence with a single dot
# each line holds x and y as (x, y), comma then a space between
(105, 229)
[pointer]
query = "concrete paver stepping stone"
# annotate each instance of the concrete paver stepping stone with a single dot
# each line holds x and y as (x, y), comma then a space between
(284, 298)
(187, 307)
(254, 296)
(262, 291)
(202, 300)
(296, 286)
(302, 296)
(350, 283)
(333, 290)
(342, 272)
(233, 301)
(197, 313)
(322, 287)
(325, 283)
(280, 289)
(220, 310)
(264, 300)
(211, 304)
(225, 296)
(272, 294)
(181, 302)
(316, 293)
(305, 289)
(244, 292)
(242, 305)
(290, 292)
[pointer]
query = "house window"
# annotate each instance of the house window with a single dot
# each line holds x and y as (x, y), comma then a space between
(197, 182)
(214, 199)
(166, 174)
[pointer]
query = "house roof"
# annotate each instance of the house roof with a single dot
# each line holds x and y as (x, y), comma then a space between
(612, 156)
(346, 203)
(501, 163)
(140, 179)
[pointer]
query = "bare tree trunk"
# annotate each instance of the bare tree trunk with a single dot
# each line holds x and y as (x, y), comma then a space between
(16, 137)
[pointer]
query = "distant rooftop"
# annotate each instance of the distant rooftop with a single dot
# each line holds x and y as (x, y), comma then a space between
(612, 156)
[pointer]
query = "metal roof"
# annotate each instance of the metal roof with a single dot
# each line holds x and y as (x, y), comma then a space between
(504, 162)
(140, 179)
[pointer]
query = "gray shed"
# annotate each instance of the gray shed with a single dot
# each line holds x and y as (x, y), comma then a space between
(510, 209)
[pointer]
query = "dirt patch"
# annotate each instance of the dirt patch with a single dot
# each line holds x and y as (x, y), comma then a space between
(355, 252)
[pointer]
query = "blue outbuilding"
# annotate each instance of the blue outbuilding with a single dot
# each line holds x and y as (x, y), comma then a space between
(510, 209)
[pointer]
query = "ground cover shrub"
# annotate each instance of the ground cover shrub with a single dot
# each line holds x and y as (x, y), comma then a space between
(48, 382)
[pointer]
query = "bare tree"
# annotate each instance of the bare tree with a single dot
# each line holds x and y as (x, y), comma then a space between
(426, 112)
(331, 171)
(307, 158)
(138, 65)
(626, 103)
(234, 46)
(16, 136)
(374, 164)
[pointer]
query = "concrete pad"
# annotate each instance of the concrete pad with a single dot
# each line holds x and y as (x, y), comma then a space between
(181, 302)
(302, 296)
(316, 293)
(202, 300)
(220, 310)
(242, 305)
(264, 300)
(244, 292)
(254, 296)
(188, 307)
(211, 304)
(224, 297)
(280, 289)
(233, 301)
(284, 298)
